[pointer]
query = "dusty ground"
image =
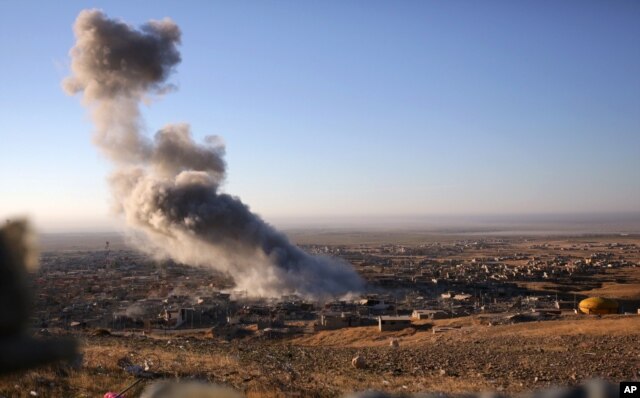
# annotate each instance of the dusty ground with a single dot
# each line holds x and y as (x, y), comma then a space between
(476, 357)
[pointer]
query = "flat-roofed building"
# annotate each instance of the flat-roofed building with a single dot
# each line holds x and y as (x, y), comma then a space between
(389, 323)
(429, 314)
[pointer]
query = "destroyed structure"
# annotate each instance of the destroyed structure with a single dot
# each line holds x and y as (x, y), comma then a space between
(126, 290)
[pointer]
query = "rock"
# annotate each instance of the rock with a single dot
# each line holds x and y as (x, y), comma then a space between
(358, 362)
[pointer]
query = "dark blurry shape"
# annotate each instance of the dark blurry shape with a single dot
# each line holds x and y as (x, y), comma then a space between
(188, 390)
(359, 362)
(16, 255)
(592, 389)
(18, 350)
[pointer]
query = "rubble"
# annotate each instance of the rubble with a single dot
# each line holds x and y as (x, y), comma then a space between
(358, 362)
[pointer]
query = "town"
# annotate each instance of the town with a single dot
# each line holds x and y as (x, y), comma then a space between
(494, 278)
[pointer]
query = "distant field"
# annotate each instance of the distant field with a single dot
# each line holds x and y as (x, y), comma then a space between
(415, 237)
(96, 241)
(372, 235)
(80, 241)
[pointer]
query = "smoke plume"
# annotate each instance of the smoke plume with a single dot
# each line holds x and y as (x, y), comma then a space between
(168, 187)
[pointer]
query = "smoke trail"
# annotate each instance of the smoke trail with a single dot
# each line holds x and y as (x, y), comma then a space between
(168, 187)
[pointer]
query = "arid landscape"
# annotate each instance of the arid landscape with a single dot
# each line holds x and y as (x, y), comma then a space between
(353, 199)
(517, 341)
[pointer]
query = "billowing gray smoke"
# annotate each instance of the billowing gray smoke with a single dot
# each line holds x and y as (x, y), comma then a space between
(168, 187)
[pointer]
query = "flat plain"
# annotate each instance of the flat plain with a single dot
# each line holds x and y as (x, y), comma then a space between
(472, 350)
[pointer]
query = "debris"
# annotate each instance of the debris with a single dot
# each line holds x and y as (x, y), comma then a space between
(358, 362)
(100, 332)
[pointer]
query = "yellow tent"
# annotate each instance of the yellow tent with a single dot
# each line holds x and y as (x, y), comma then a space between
(598, 305)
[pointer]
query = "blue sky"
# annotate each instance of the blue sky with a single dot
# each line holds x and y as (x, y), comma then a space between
(350, 108)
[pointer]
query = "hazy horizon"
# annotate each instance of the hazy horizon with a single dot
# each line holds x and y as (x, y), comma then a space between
(561, 223)
(342, 113)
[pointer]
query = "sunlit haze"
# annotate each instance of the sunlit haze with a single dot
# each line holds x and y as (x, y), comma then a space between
(338, 113)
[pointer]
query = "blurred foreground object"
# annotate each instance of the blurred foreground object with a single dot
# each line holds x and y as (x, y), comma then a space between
(358, 362)
(17, 349)
(591, 389)
(188, 390)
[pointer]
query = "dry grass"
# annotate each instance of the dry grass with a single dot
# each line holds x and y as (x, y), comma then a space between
(47, 382)
(608, 325)
(216, 362)
(623, 284)
(101, 371)
(365, 336)
(626, 291)
(470, 328)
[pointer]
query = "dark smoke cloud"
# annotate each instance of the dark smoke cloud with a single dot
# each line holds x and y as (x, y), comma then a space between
(113, 59)
(168, 187)
(175, 151)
